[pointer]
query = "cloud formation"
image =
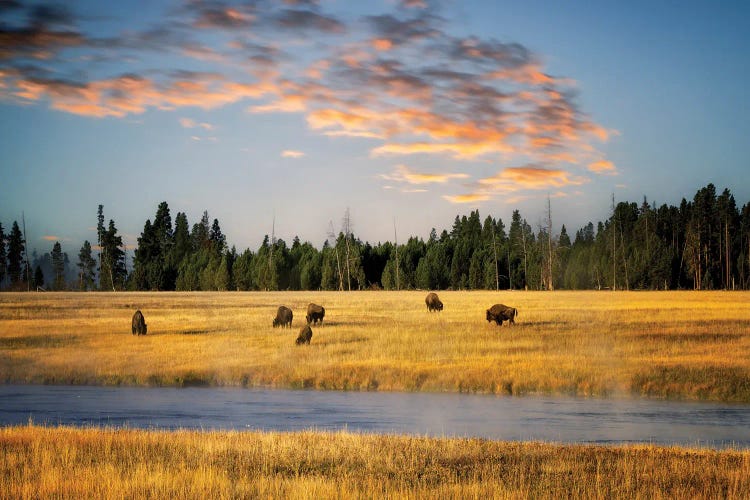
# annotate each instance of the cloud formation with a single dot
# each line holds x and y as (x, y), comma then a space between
(402, 173)
(401, 80)
(190, 123)
(603, 167)
(513, 180)
(290, 153)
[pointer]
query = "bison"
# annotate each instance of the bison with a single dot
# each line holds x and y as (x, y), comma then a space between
(138, 325)
(315, 313)
(305, 334)
(283, 317)
(433, 302)
(500, 312)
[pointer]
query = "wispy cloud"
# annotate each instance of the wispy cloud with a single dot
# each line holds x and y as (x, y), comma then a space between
(290, 153)
(603, 167)
(514, 180)
(402, 173)
(190, 123)
(467, 198)
(530, 177)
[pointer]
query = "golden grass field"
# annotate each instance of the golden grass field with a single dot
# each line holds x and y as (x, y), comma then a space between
(39, 462)
(682, 345)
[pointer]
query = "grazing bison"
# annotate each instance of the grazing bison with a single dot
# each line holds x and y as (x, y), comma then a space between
(283, 317)
(433, 302)
(305, 334)
(138, 325)
(500, 312)
(315, 313)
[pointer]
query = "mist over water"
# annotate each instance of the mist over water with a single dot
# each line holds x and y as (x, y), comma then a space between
(555, 419)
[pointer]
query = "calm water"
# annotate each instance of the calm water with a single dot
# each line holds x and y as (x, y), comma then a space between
(569, 420)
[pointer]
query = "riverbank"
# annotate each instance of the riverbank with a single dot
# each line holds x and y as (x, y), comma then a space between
(672, 345)
(107, 463)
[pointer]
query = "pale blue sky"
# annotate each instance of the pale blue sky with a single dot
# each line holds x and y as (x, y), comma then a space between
(410, 110)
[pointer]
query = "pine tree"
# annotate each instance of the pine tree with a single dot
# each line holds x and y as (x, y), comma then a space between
(38, 278)
(221, 280)
(182, 242)
(3, 256)
(242, 271)
(103, 260)
(728, 220)
(58, 267)
(154, 267)
(147, 268)
(113, 271)
(164, 237)
(16, 252)
(217, 238)
(744, 254)
(86, 267)
(200, 233)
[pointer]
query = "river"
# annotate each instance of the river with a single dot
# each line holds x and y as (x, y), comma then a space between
(553, 419)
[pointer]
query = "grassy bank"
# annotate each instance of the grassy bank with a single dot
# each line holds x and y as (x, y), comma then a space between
(690, 345)
(104, 463)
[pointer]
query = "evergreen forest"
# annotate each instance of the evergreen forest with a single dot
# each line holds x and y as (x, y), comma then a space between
(702, 244)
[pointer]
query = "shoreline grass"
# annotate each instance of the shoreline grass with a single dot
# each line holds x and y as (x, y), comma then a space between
(674, 345)
(65, 462)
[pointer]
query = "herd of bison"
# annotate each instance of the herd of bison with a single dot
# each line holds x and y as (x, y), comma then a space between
(315, 313)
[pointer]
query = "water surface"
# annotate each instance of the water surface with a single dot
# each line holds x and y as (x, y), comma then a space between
(558, 419)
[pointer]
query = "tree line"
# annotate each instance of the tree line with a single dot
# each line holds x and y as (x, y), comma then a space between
(701, 244)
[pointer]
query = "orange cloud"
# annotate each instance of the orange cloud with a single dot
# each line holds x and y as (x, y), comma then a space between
(290, 103)
(289, 153)
(603, 167)
(356, 120)
(347, 133)
(382, 44)
(467, 198)
(517, 178)
(130, 94)
(50, 238)
(402, 173)
(456, 150)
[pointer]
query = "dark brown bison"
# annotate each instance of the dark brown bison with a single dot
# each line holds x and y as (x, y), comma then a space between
(500, 312)
(138, 325)
(433, 302)
(305, 334)
(283, 317)
(315, 313)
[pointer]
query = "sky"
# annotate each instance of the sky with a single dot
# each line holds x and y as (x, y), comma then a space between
(281, 115)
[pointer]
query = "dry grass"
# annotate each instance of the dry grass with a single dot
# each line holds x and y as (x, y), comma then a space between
(691, 345)
(38, 462)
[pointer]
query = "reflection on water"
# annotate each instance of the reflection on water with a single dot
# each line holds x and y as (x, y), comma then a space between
(568, 420)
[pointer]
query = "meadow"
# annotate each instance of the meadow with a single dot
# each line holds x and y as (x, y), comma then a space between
(39, 462)
(679, 345)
